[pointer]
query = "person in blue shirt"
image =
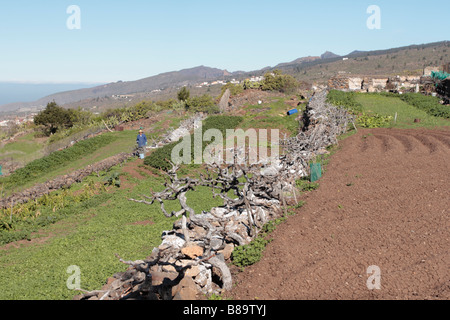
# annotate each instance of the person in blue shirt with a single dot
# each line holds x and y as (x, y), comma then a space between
(141, 140)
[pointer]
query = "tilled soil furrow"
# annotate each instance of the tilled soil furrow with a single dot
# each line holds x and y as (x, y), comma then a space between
(383, 202)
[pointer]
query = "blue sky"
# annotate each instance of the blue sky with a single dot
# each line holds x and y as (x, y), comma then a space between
(133, 39)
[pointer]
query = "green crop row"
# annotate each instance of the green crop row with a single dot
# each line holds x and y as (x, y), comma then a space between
(53, 161)
(428, 104)
(20, 221)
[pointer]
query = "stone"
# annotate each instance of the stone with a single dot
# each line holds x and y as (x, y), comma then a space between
(186, 294)
(168, 268)
(172, 241)
(227, 251)
(216, 243)
(204, 277)
(192, 251)
(193, 271)
(185, 290)
(223, 104)
(183, 262)
(158, 277)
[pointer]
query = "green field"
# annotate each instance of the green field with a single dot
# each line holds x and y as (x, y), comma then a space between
(406, 114)
(88, 237)
(270, 115)
(23, 149)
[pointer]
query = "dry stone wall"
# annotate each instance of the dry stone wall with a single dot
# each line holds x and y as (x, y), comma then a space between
(192, 259)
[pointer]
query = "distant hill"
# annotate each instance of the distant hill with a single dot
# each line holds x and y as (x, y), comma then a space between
(408, 60)
(329, 55)
(296, 61)
(11, 92)
(158, 82)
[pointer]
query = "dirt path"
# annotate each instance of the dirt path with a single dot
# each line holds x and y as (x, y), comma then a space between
(383, 201)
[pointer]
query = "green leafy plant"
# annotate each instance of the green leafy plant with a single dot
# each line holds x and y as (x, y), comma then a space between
(113, 180)
(305, 185)
(366, 120)
(344, 99)
(429, 104)
(19, 222)
(251, 253)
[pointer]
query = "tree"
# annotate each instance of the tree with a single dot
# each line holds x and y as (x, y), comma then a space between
(276, 81)
(183, 94)
(204, 103)
(54, 118)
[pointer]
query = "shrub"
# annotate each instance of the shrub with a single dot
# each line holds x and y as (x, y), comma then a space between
(250, 253)
(428, 104)
(235, 89)
(159, 158)
(204, 103)
(276, 81)
(54, 118)
(344, 99)
(183, 94)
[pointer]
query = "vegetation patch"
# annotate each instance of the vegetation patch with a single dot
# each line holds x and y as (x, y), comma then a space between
(374, 110)
(39, 167)
(429, 104)
(159, 159)
(251, 253)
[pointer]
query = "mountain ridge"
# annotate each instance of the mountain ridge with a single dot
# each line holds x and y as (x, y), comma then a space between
(199, 74)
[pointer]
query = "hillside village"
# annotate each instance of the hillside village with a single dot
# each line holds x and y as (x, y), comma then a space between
(368, 83)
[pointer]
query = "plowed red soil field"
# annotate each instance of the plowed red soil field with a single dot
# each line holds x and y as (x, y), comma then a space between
(384, 201)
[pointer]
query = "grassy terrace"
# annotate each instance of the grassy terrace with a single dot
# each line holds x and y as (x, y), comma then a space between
(88, 236)
(28, 148)
(389, 106)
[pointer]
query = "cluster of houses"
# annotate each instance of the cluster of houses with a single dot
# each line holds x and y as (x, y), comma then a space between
(369, 83)
(17, 120)
(213, 83)
(233, 81)
(122, 96)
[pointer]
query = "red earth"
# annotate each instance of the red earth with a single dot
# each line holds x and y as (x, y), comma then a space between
(383, 201)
